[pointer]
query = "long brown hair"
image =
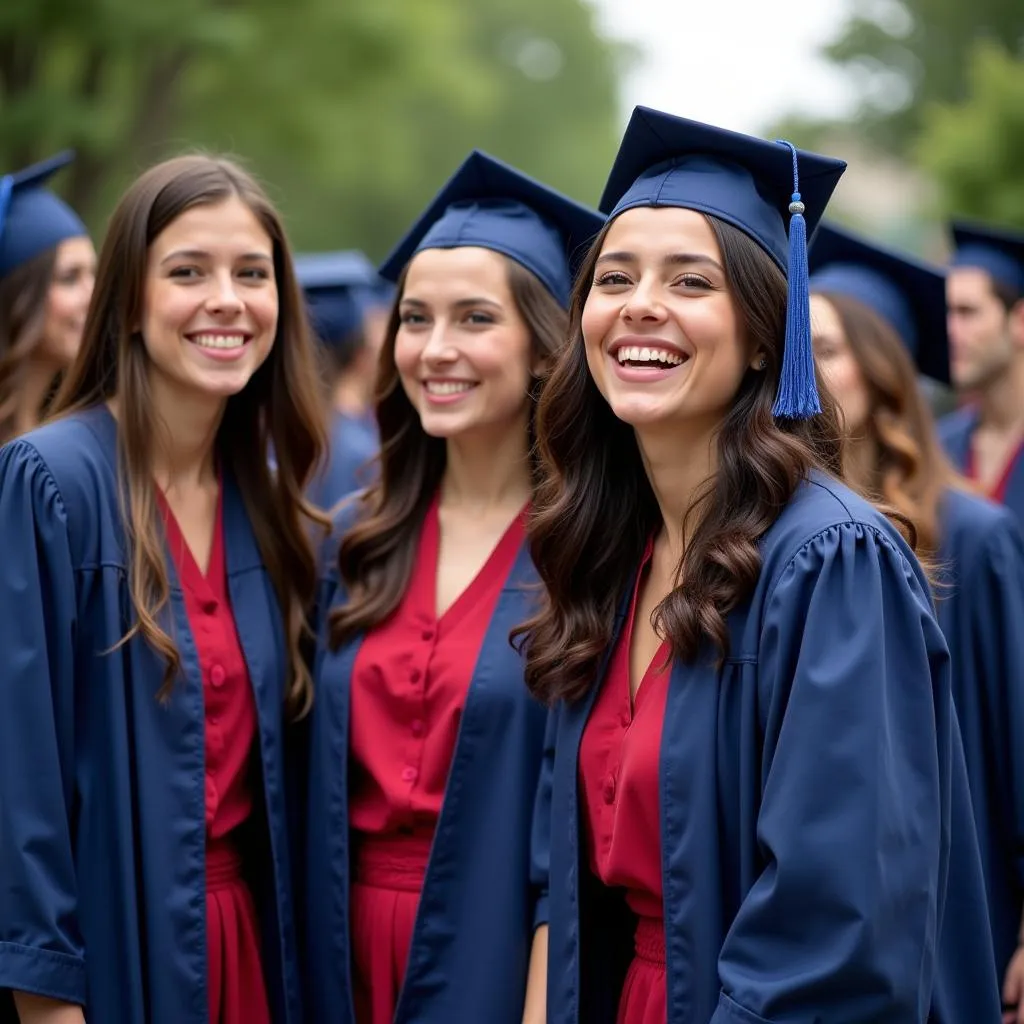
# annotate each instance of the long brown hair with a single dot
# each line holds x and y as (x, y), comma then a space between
(908, 468)
(376, 554)
(595, 508)
(278, 408)
(24, 294)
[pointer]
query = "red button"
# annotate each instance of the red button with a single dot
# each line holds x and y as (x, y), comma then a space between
(428, 634)
(609, 790)
(214, 739)
(408, 774)
(624, 719)
(417, 728)
(415, 675)
(209, 606)
(217, 675)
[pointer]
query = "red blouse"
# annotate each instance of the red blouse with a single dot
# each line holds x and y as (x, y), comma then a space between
(230, 726)
(618, 768)
(409, 685)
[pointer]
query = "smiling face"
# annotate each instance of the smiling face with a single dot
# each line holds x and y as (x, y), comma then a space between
(210, 304)
(662, 336)
(463, 351)
(74, 273)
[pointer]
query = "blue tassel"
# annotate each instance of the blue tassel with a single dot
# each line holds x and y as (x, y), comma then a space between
(797, 396)
(6, 188)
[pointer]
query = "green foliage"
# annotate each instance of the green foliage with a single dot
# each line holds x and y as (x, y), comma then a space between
(354, 111)
(975, 149)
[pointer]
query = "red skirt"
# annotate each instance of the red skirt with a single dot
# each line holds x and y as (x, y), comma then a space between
(237, 990)
(387, 879)
(645, 994)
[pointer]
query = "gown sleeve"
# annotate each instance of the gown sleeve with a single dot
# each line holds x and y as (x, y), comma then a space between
(41, 949)
(540, 837)
(995, 596)
(853, 828)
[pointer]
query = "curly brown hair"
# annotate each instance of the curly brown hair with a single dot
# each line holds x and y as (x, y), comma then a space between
(908, 469)
(376, 553)
(595, 508)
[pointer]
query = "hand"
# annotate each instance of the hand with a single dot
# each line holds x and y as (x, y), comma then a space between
(1013, 989)
(34, 1009)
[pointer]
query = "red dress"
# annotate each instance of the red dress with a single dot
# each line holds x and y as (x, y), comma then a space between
(237, 991)
(409, 684)
(618, 767)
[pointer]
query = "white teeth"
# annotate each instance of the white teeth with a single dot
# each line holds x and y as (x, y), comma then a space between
(447, 387)
(633, 354)
(219, 340)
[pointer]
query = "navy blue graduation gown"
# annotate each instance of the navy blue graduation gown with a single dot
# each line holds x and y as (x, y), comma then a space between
(352, 445)
(808, 792)
(102, 831)
(955, 432)
(485, 889)
(980, 604)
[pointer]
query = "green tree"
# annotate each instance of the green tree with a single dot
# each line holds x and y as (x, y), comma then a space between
(907, 54)
(975, 149)
(353, 112)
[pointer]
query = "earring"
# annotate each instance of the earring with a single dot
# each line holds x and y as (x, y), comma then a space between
(763, 364)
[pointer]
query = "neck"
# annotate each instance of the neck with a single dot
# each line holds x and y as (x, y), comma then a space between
(185, 429)
(32, 389)
(1001, 404)
(678, 463)
(490, 471)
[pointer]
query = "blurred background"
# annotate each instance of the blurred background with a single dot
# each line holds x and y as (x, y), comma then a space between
(355, 111)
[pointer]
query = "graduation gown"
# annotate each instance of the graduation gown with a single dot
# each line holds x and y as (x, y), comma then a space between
(808, 792)
(352, 445)
(981, 611)
(955, 432)
(102, 787)
(485, 889)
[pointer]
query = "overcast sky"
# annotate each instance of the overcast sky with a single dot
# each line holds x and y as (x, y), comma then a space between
(735, 63)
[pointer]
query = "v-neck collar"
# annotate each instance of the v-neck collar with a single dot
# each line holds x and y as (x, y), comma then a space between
(206, 584)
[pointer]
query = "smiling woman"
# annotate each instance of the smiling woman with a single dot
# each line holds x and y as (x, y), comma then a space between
(426, 874)
(153, 604)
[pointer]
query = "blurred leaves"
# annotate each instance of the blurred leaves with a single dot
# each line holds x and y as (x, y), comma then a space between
(354, 112)
(975, 149)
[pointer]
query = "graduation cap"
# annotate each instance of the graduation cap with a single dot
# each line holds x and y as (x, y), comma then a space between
(339, 288)
(33, 219)
(771, 191)
(908, 294)
(489, 204)
(999, 252)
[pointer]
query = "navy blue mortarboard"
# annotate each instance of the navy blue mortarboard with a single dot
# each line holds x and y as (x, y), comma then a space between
(771, 191)
(488, 204)
(32, 218)
(339, 287)
(999, 252)
(908, 294)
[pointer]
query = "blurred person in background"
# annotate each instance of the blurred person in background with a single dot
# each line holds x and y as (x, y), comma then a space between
(879, 319)
(47, 268)
(426, 853)
(343, 295)
(156, 576)
(985, 301)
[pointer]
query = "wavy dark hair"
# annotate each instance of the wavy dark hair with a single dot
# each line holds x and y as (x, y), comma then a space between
(278, 409)
(595, 508)
(376, 554)
(907, 469)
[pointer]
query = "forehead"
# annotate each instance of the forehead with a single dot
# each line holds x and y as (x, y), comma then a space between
(825, 320)
(225, 227)
(448, 275)
(661, 230)
(74, 251)
(965, 284)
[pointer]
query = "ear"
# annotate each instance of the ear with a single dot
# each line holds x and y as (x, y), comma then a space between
(541, 365)
(759, 360)
(1015, 321)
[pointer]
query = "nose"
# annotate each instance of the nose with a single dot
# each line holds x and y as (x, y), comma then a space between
(644, 302)
(224, 297)
(438, 347)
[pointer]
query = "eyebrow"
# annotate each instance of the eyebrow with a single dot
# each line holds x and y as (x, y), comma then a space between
(202, 254)
(458, 305)
(675, 259)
